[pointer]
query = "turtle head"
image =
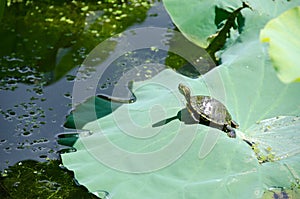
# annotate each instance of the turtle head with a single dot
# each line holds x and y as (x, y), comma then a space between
(184, 90)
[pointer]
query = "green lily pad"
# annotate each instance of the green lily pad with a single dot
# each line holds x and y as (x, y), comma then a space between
(133, 154)
(230, 165)
(197, 20)
(282, 34)
(278, 132)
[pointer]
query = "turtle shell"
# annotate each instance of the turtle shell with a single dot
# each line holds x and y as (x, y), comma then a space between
(209, 109)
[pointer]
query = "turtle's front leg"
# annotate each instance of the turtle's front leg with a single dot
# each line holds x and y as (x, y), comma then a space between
(230, 131)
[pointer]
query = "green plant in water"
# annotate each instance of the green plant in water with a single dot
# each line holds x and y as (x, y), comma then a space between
(267, 156)
(30, 179)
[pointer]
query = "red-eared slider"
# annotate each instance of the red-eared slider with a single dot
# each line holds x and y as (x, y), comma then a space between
(209, 109)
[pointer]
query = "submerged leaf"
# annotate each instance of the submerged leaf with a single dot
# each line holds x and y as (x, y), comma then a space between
(99, 106)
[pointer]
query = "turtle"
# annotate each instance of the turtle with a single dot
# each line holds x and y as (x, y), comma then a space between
(208, 109)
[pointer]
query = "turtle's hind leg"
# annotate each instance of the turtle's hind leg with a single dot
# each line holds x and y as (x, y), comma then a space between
(230, 131)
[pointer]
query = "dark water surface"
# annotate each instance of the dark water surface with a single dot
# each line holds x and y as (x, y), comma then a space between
(42, 45)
